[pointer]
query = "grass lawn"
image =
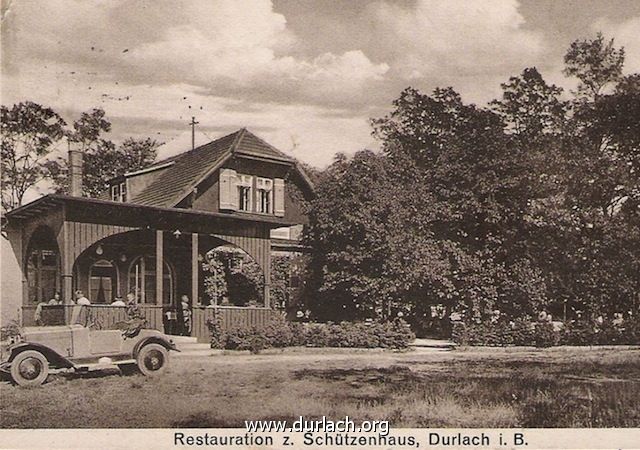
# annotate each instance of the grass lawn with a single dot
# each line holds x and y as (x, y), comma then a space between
(463, 388)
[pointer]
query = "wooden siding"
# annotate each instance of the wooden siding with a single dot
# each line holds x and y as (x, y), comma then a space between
(81, 236)
(230, 317)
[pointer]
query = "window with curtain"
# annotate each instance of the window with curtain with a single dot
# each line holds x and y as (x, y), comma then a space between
(102, 282)
(142, 280)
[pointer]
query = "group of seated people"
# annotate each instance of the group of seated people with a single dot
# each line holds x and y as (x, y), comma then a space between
(133, 311)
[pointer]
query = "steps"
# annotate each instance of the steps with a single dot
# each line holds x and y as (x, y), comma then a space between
(434, 344)
(182, 339)
(189, 346)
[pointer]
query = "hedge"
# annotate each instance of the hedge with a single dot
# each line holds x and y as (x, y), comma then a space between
(543, 334)
(281, 333)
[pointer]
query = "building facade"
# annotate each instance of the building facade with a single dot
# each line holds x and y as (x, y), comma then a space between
(150, 232)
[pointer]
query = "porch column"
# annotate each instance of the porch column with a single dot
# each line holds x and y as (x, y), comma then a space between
(267, 275)
(67, 288)
(159, 266)
(66, 260)
(194, 268)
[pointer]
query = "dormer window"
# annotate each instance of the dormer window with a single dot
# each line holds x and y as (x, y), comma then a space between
(245, 185)
(264, 202)
(119, 192)
(251, 194)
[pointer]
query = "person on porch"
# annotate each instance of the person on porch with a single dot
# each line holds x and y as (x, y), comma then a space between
(133, 311)
(186, 315)
(171, 317)
(81, 299)
(118, 302)
(56, 299)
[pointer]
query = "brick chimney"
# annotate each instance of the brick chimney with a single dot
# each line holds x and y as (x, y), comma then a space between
(75, 172)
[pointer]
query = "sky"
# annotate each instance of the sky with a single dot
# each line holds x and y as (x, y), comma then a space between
(305, 75)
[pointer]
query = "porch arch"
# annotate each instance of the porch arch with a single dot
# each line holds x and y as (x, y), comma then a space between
(259, 248)
(80, 236)
(42, 265)
(239, 279)
(122, 252)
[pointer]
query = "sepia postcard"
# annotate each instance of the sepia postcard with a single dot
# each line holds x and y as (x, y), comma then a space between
(384, 224)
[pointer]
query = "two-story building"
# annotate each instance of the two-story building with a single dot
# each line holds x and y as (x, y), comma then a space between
(150, 234)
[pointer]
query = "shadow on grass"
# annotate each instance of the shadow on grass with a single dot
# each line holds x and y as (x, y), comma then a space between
(471, 394)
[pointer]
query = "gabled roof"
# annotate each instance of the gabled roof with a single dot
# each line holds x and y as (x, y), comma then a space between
(190, 168)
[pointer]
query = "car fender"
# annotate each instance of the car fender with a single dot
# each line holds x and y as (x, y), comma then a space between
(169, 345)
(55, 359)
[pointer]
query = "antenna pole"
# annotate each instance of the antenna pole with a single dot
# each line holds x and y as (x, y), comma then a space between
(193, 124)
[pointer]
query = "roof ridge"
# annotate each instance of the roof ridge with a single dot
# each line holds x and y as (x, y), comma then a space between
(240, 134)
(179, 155)
(271, 147)
(160, 191)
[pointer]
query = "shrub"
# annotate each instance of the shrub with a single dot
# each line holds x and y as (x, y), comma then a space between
(245, 338)
(522, 332)
(542, 334)
(316, 335)
(216, 332)
(632, 331)
(278, 333)
(580, 332)
(281, 333)
(396, 334)
(545, 335)
(584, 332)
(503, 333)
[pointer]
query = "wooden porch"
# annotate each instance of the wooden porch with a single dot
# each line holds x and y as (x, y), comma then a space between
(60, 240)
(106, 316)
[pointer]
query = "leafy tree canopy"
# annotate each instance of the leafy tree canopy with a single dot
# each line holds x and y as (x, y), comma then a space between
(29, 135)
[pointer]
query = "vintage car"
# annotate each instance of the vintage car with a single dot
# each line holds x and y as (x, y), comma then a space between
(37, 350)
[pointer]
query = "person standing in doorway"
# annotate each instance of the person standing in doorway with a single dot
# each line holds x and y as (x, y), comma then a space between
(186, 315)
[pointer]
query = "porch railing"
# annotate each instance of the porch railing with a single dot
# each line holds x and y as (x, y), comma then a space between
(230, 316)
(105, 316)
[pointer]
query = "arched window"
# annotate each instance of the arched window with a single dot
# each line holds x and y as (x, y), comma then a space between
(43, 274)
(142, 280)
(43, 266)
(103, 282)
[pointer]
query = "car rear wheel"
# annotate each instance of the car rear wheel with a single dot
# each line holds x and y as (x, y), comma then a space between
(29, 368)
(152, 359)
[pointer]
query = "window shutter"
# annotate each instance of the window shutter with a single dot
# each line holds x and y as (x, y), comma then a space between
(278, 197)
(228, 190)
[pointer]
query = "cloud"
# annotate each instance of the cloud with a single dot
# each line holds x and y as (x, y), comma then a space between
(243, 47)
(153, 64)
(443, 42)
(625, 34)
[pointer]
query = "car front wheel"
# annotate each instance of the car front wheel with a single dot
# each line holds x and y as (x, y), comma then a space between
(152, 359)
(29, 368)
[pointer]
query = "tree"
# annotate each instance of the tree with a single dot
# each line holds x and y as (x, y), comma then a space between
(348, 236)
(529, 205)
(596, 63)
(530, 108)
(29, 133)
(215, 282)
(108, 161)
(103, 160)
(594, 261)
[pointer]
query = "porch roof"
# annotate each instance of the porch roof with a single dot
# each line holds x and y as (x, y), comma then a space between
(124, 209)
